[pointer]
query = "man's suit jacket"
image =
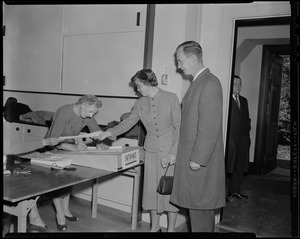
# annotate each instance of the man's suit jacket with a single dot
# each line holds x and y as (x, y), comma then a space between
(201, 141)
(237, 158)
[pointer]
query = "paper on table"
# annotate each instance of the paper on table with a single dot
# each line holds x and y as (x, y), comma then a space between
(110, 149)
(60, 163)
(94, 134)
(48, 158)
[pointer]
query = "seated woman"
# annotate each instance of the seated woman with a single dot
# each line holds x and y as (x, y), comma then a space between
(69, 120)
(36, 223)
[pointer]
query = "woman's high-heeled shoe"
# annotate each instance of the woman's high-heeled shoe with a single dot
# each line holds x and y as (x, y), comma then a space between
(61, 227)
(72, 219)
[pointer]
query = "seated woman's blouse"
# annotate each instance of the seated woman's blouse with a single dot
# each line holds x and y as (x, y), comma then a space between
(67, 123)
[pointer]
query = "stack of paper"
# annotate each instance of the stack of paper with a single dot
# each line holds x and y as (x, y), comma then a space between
(51, 160)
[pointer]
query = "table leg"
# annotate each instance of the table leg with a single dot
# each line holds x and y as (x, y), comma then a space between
(22, 218)
(21, 211)
(135, 200)
(95, 198)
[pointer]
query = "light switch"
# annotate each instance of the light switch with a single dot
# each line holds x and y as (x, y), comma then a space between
(164, 79)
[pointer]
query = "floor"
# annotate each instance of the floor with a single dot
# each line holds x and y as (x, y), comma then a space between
(265, 214)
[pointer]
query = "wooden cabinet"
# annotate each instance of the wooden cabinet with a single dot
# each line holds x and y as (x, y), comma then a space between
(84, 49)
(103, 48)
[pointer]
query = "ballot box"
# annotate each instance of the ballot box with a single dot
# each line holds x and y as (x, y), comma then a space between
(113, 159)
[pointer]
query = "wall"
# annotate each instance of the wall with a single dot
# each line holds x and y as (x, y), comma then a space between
(217, 33)
(212, 25)
(250, 73)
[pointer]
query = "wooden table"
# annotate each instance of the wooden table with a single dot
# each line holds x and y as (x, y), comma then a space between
(20, 191)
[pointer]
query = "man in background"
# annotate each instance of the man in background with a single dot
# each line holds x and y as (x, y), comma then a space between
(237, 160)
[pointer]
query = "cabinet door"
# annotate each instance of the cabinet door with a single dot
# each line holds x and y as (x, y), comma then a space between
(32, 47)
(30, 21)
(102, 63)
(32, 64)
(89, 19)
(32, 132)
(15, 131)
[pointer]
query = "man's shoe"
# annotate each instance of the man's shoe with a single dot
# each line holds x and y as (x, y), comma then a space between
(38, 229)
(239, 195)
(228, 199)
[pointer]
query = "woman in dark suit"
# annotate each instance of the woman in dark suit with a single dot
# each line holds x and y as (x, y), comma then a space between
(237, 160)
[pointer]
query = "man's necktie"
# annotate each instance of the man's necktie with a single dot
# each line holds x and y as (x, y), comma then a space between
(237, 100)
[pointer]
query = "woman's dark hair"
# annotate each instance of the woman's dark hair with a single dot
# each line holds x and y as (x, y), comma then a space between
(146, 76)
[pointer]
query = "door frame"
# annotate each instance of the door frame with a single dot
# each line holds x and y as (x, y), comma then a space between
(255, 167)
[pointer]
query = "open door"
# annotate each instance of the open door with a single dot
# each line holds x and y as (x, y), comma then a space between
(270, 99)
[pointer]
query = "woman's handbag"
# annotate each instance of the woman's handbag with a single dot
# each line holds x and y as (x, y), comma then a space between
(165, 184)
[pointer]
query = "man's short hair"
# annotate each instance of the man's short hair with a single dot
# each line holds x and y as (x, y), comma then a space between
(191, 48)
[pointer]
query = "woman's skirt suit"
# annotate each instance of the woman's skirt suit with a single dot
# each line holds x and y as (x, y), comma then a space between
(161, 117)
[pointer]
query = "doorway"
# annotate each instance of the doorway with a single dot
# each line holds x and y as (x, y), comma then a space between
(260, 47)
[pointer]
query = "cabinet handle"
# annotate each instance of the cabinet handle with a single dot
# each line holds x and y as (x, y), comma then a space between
(138, 15)
(29, 131)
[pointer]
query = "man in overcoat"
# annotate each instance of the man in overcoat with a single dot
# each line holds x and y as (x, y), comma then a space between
(199, 177)
(237, 158)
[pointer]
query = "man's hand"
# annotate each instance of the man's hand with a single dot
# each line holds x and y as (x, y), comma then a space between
(194, 166)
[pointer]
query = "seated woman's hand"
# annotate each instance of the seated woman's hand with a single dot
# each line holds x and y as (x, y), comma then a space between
(80, 147)
(102, 146)
(51, 141)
